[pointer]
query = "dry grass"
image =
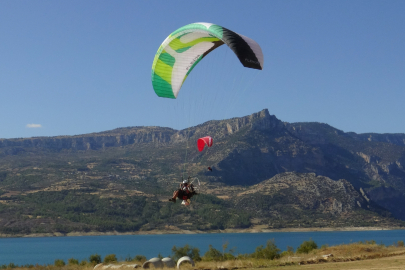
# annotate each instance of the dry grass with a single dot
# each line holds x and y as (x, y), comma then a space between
(352, 256)
(351, 252)
(52, 267)
(392, 263)
(343, 253)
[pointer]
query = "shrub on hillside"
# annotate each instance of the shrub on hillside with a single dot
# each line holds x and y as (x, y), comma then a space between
(307, 246)
(95, 259)
(400, 243)
(192, 252)
(128, 258)
(59, 263)
(228, 257)
(324, 246)
(212, 254)
(73, 261)
(269, 252)
(288, 252)
(140, 258)
(110, 258)
(370, 242)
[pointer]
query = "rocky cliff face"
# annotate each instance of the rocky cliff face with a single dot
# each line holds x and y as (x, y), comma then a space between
(266, 147)
(225, 128)
(300, 199)
(372, 161)
(140, 135)
(94, 141)
(308, 191)
(389, 198)
(398, 139)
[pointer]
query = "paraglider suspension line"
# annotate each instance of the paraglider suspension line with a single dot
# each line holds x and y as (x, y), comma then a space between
(185, 161)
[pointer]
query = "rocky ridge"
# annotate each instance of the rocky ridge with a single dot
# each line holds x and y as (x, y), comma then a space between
(309, 191)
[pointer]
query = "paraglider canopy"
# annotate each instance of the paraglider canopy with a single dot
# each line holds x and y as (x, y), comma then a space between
(181, 51)
(205, 141)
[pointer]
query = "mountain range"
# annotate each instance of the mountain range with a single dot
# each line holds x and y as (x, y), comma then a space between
(265, 174)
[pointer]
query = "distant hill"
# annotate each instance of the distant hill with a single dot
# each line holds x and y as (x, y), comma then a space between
(266, 173)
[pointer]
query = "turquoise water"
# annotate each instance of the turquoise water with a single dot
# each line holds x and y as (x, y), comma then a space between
(44, 250)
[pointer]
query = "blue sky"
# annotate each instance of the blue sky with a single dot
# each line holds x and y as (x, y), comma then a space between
(75, 67)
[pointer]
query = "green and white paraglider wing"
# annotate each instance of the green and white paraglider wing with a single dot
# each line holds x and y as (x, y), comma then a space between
(185, 47)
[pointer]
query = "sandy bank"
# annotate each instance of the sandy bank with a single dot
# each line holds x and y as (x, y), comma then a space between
(177, 231)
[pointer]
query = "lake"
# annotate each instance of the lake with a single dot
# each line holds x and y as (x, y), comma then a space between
(45, 250)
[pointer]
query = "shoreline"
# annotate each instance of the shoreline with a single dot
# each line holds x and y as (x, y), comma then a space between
(160, 232)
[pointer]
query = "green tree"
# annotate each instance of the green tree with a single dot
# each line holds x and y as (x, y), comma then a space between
(59, 263)
(192, 252)
(140, 258)
(128, 258)
(228, 256)
(10, 265)
(213, 254)
(95, 259)
(269, 252)
(224, 248)
(307, 246)
(370, 242)
(324, 246)
(110, 258)
(73, 261)
(288, 252)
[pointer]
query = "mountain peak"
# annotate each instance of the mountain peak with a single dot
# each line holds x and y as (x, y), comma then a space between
(263, 120)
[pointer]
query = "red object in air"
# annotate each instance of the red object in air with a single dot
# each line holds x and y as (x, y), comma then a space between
(204, 141)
